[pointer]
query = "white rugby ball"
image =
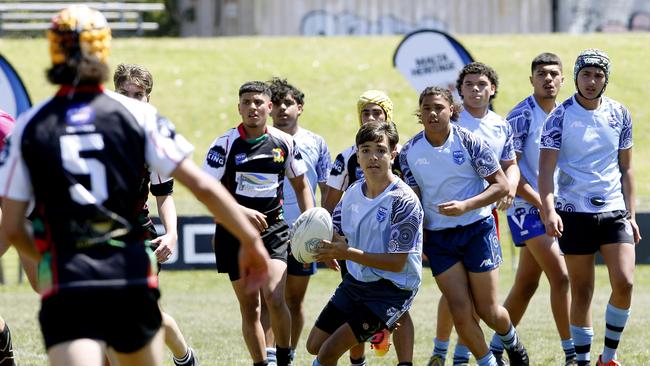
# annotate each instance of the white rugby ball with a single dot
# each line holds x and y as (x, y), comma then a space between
(310, 228)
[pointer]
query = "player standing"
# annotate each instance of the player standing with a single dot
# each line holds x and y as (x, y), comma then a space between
(134, 81)
(589, 138)
(251, 160)
(539, 252)
(380, 219)
(80, 156)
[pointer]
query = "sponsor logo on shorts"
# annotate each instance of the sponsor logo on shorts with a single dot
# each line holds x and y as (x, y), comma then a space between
(459, 157)
(391, 311)
(487, 263)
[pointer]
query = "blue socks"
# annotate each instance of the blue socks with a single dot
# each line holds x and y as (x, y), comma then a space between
(509, 339)
(569, 349)
(461, 354)
(487, 360)
(440, 347)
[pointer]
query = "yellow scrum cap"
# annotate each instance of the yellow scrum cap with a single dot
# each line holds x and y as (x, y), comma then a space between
(376, 97)
(79, 32)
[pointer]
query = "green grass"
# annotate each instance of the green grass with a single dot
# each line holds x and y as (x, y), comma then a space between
(196, 80)
(205, 307)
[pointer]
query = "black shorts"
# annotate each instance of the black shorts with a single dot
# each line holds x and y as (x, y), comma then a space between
(367, 307)
(585, 232)
(226, 247)
(126, 319)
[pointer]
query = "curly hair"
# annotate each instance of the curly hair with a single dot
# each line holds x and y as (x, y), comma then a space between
(281, 87)
(480, 69)
(446, 94)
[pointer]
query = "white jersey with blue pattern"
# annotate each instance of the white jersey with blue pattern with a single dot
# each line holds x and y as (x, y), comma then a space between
(527, 120)
(494, 130)
(317, 158)
(588, 141)
(388, 223)
(453, 171)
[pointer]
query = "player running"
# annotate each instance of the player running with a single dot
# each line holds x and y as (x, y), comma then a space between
(378, 226)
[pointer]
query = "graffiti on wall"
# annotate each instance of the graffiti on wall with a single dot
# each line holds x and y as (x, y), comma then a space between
(324, 23)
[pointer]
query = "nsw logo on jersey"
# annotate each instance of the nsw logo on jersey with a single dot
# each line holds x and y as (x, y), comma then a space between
(257, 184)
(278, 155)
(79, 114)
(216, 157)
(381, 214)
(459, 157)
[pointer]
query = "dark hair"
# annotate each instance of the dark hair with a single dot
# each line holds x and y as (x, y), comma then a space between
(481, 69)
(545, 58)
(78, 72)
(445, 93)
(375, 131)
(258, 87)
(136, 74)
(281, 87)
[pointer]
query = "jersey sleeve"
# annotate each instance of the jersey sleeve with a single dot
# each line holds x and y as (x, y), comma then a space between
(336, 219)
(338, 178)
(406, 221)
(508, 153)
(294, 165)
(324, 160)
(407, 174)
(552, 130)
(15, 180)
(519, 126)
(160, 186)
(215, 160)
(165, 148)
(481, 156)
(625, 140)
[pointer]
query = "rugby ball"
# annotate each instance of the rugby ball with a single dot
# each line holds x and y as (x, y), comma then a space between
(310, 228)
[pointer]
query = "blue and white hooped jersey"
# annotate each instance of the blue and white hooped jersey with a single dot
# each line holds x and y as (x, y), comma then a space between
(388, 223)
(492, 128)
(317, 158)
(527, 120)
(453, 171)
(588, 141)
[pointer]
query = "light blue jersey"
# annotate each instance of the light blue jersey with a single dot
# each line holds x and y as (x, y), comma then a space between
(317, 159)
(588, 141)
(527, 120)
(453, 171)
(492, 128)
(388, 223)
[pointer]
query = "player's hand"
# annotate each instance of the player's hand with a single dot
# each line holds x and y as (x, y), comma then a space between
(332, 249)
(333, 264)
(165, 245)
(506, 201)
(635, 231)
(553, 224)
(253, 266)
(452, 208)
(256, 218)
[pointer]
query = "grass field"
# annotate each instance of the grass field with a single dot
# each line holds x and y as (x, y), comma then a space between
(196, 82)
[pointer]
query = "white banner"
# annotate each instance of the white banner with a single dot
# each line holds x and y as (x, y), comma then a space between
(430, 58)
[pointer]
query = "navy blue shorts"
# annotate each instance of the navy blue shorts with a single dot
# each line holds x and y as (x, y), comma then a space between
(475, 245)
(584, 232)
(525, 224)
(366, 306)
(296, 268)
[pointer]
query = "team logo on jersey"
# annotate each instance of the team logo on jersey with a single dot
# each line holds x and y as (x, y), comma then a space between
(358, 173)
(240, 158)
(79, 114)
(278, 155)
(459, 157)
(381, 214)
(216, 157)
